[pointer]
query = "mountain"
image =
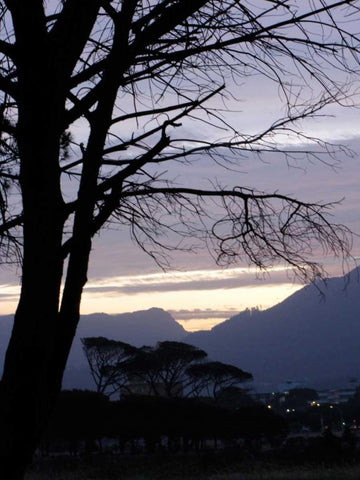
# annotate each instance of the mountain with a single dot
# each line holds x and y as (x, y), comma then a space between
(308, 338)
(144, 327)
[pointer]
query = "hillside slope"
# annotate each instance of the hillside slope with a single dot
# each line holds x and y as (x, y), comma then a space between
(306, 338)
(145, 327)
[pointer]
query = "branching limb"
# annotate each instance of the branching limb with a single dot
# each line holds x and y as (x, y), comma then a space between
(244, 225)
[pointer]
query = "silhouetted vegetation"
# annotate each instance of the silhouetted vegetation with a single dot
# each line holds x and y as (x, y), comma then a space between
(82, 419)
(103, 355)
(170, 369)
(164, 368)
(143, 437)
(79, 418)
(181, 438)
(213, 377)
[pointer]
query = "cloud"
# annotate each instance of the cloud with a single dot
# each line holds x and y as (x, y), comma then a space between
(187, 281)
(9, 292)
(188, 315)
(6, 297)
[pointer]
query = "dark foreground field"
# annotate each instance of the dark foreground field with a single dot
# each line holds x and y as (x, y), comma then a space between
(205, 467)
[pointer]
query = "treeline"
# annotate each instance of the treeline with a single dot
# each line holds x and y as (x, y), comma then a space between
(171, 398)
(82, 419)
(170, 369)
(168, 397)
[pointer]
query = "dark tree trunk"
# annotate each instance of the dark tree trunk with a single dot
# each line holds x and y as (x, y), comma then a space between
(40, 343)
(28, 390)
(43, 330)
(37, 355)
(44, 327)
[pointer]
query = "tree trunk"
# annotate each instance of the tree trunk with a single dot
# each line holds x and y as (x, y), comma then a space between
(35, 363)
(28, 392)
(43, 330)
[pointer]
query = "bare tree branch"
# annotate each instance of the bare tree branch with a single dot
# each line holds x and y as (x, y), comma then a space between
(91, 90)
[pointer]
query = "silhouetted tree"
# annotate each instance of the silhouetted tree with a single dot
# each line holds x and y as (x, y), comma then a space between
(235, 397)
(79, 416)
(215, 376)
(164, 368)
(255, 421)
(189, 421)
(128, 73)
(103, 355)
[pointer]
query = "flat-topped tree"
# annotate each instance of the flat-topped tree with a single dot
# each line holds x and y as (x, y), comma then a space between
(103, 355)
(163, 369)
(213, 377)
(128, 73)
(172, 360)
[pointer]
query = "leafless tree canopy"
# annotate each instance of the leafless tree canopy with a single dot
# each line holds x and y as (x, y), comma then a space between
(142, 81)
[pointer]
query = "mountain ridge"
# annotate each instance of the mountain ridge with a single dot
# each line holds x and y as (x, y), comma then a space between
(142, 327)
(307, 337)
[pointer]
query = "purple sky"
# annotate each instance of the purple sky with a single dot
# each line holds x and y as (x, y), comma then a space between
(209, 295)
(122, 278)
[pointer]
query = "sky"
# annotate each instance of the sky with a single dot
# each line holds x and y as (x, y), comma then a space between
(199, 295)
(195, 291)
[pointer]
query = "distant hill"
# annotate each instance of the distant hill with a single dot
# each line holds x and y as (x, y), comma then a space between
(144, 327)
(306, 338)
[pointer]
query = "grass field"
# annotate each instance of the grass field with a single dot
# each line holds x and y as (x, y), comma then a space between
(186, 469)
(304, 473)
